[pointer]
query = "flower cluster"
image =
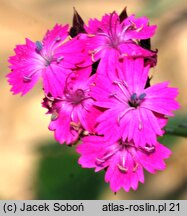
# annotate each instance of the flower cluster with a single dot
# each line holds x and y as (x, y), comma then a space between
(97, 89)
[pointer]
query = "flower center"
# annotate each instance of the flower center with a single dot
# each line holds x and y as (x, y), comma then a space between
(128, 161)
(125, 96)
(75, 97)
(78, 96)
(135, 101)
(47, 56)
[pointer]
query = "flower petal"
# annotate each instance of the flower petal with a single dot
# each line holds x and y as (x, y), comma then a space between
(160, 99)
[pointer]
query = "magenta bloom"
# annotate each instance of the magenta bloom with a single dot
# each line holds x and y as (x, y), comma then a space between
(123, 161)
(134, 112)
(50, 59)
(97, 90)
(111, 40)
(73, 111)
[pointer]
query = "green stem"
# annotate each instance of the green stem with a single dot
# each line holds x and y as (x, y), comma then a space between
(180, 132)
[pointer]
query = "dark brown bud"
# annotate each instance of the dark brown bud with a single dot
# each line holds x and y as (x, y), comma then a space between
(78, 25)
(123, 15)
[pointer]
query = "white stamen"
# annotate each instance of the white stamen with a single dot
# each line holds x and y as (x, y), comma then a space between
(59, 59)
(140, 126)
(26, 79)
(124, 113)
(135, 167)
(121, 168)
(58, 39)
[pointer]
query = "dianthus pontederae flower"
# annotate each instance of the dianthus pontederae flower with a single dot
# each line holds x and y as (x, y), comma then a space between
(73, 111)
(123, 161)
(50, 59)
(134, 112)
(111, 39)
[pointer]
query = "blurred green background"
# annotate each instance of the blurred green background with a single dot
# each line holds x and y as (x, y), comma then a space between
(32, 164)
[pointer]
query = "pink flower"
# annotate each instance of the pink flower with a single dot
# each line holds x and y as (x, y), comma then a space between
(73, 111)
(133, 112)
(112, 40)
(123, 161)
(50, 59)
